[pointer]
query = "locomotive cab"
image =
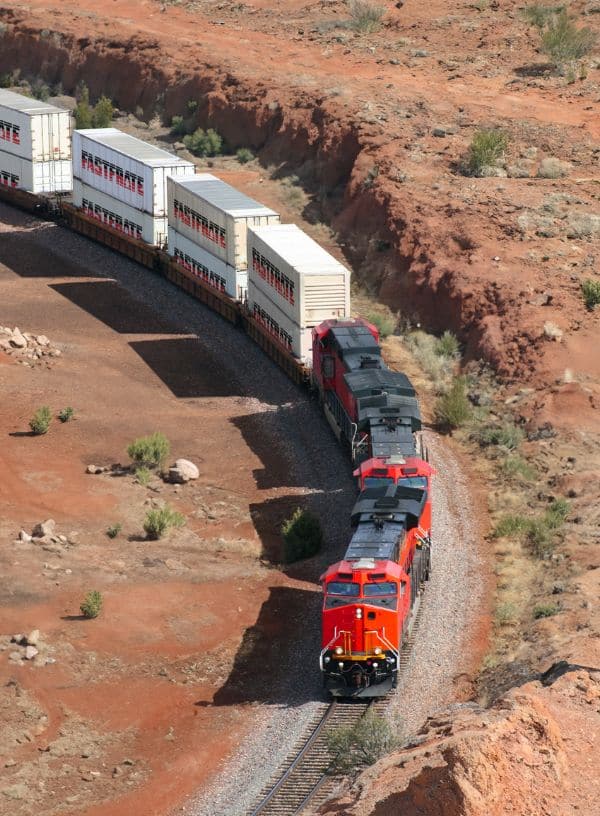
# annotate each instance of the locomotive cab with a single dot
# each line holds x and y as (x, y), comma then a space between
(363, 603)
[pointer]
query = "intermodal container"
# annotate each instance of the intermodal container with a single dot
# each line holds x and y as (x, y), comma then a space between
(34, 130)
(36, 177)
(301, 278)
(296, 340)
(215, 215)
(118, 215)
(126, 168)
(206, 266)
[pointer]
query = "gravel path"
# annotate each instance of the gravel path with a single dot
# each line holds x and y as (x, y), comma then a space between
(292, 427)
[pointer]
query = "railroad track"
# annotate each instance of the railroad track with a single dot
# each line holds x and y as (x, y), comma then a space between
(303, 778)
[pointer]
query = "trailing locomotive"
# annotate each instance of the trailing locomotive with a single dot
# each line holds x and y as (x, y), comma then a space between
(370, 596)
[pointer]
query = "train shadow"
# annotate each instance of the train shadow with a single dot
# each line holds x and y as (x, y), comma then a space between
(114, 306)
(29, 254)
(186, 367)
(277, 660)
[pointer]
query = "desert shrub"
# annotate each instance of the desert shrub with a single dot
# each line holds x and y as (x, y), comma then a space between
(453, 409)
(204, 142)
(40, 421)
(424, 349)
(545, 610)
(515, 467)
(192, 105)
(506, 435)
(143, 476)
(91, 604)
(114, 530)
(149, 451)
(39, 90)
(83, 111)
(361, 744)
(178, 126)
(385, 324)
(103, 113)
(505, 613)
(365, 16)
(539, 533)
(552, 168)
(485, 149)
(590, 291)
(66, 414)
(243, 155)
(447, 345)
(563, 42)
(6, 80)
(302, 536)
(556, 515)
(538, 15)
(160, 520)
(510, 525)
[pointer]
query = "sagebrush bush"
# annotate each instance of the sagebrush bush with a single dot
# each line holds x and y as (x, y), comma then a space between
(453, 409)
(204, 142)
(539, 15)
(447, 345)
(385, 324)
(178, 126)
(243, 155)
(114, 530)
(103, 112)
(563, 42)
(66, 414)
(149, 451)
(507, 435)
(92, 604)
(515, 467)
(302, 536)
(486, 148)
(540, 532)
(40, 421)
(365, 16)
(143, 476)
(590, 291)
(545, 610)
(505, 612)
(160, 520)
(424, 348)
(362, 744)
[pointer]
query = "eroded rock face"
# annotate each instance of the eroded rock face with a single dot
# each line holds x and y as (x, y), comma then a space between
(519, 757)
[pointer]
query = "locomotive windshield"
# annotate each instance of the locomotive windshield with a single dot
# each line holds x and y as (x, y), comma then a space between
(380, 588)
(413, 481)
(343, 588)
(374, 481)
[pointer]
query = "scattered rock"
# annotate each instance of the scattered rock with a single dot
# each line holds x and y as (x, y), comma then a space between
(182, 471)
(17, 340)
(173, 564)
(15, 657)
(42, 340)
(551, 331)
(490, 171)
(24, 536)
(44, 528)
(30, 652)
(33, 638)
(95, 469)
(19, 638)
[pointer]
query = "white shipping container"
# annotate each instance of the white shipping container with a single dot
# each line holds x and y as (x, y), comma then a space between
(301, 278)
(36, 177)
(118, 215)
(293, 339)
(34, 130)
(207, 267)
(126, 168)
(215, 215)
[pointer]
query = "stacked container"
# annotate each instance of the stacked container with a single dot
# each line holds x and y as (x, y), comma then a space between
(293, 285)
(208, 222)
(121, 181)
(35, 145)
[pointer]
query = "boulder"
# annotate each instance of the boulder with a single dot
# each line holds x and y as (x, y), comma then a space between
(17, 340)
(182, 471)
(44, 528)
(24, 536)
(30, 652)
(33, 638)
(42, 340)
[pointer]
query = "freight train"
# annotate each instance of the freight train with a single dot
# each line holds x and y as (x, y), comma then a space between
(372, 594)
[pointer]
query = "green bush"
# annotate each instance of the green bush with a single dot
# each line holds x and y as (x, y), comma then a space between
(243, 155)
(160, 520)
(486, 148)
(92, 604)
(506, 435)
(149, 451)
(453, 409)
(302, 536)
(39, 90)
(505, 613)
(515, 467)
(538, 15)
(545, 610)
(204, 142)
(385, 324)
(83, 111)
(143, 476)
(563, 42)
(590, 290)
(362, 744)
(40, 421)
(103, 113)
(178, 126)
(66, 414)
(509, 526)
(540, 533)
(447, 345)
(365, 16)
(557, 513)
(114, 530)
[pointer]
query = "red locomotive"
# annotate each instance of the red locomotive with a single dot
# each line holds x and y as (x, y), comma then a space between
(370, 596)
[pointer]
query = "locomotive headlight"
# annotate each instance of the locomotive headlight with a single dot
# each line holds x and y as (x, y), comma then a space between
(339, 650)
(375, 664)
(377, 649)
(359, 613)
(341, 664)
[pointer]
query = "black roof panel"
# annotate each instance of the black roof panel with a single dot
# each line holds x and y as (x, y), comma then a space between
(372, 381)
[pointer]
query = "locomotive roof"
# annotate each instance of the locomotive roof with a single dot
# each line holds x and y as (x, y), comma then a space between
(354, 340)
(400, 442)
(372, 381)
(389, 504)
(390, 409)
(371, 541)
